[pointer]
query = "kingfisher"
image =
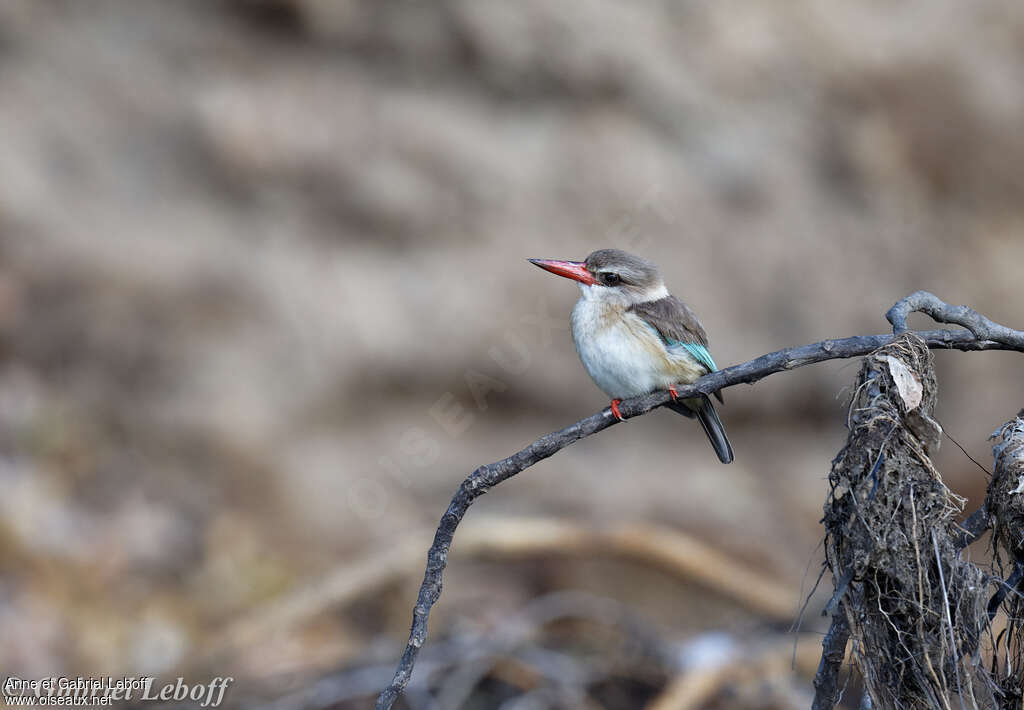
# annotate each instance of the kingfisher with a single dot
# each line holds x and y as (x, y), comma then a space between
(634, 337)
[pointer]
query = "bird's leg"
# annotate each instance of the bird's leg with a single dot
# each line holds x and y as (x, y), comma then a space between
(615, 410)
(672, 391)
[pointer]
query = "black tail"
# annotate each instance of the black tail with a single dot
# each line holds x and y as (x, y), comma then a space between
(705, 412)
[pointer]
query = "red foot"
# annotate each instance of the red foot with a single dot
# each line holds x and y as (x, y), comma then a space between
(672, 391)
(615, 410)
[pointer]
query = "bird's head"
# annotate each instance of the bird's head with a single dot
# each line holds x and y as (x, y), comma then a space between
(611, 275)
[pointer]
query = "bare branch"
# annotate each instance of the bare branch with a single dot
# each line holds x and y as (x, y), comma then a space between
(941, 312)
(993, 337)
(833, 653)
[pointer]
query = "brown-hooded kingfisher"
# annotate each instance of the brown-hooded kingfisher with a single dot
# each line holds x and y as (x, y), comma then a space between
(634, 337)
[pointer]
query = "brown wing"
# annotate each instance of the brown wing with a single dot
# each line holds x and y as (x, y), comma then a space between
(673, 320)
(678, 327)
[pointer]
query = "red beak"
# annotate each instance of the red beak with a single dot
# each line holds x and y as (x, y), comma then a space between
(574, 270)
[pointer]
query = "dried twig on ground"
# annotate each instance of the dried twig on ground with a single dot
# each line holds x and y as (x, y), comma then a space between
(656, 545)
(764, 666)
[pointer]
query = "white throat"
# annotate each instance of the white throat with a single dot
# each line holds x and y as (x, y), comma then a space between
(654, 293)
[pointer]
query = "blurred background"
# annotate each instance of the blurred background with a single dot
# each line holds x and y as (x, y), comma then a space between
(264, 303)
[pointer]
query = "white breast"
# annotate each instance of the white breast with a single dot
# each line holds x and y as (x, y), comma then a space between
(620, 363)
(622, 354)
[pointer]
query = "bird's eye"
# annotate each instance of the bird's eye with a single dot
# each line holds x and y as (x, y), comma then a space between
(610, 279)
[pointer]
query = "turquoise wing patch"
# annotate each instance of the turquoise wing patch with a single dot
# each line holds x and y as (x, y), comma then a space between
(699, 352)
